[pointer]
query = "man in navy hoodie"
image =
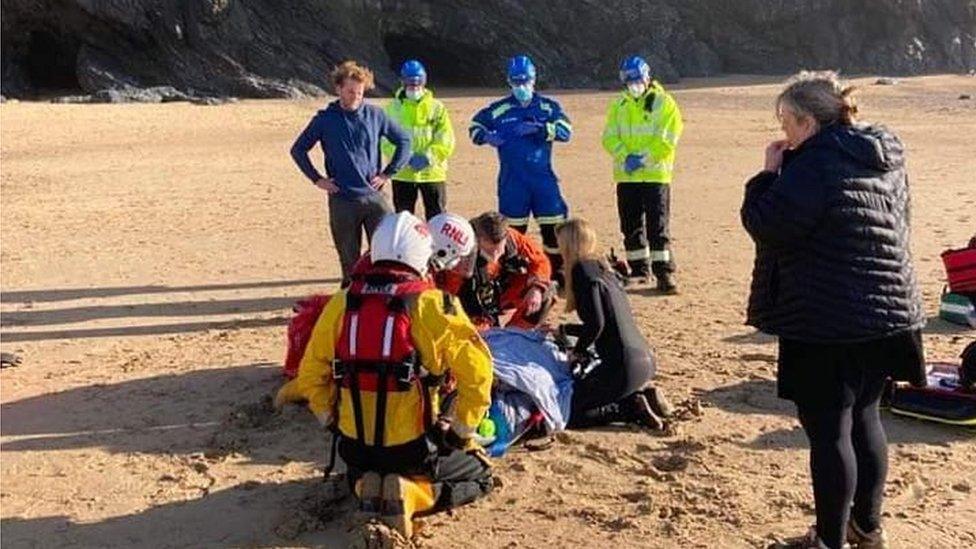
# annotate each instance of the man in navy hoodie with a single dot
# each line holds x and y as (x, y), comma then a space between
(349, 133)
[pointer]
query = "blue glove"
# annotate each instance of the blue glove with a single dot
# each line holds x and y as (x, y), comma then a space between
(523, 129)
(419, 162)
(494, 139)
(633, 163)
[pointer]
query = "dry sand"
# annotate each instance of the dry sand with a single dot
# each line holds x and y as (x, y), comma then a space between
(150, 254)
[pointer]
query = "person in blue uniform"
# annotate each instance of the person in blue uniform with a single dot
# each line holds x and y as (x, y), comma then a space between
(523, 127)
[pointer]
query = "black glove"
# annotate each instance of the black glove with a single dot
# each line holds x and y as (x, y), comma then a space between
(444, 437)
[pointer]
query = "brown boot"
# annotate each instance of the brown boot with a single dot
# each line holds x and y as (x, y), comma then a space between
(368, 490)
(808, 541)
(862, 540)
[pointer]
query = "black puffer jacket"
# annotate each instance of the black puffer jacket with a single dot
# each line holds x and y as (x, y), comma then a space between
(831, 232)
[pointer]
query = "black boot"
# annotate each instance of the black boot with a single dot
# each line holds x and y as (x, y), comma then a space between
(665, 285)
(602, 415)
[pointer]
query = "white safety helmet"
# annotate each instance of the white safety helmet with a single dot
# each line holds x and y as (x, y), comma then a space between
(453, 240)
(402, 238)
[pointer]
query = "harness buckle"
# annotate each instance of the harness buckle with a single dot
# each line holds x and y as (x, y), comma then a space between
(404, 373)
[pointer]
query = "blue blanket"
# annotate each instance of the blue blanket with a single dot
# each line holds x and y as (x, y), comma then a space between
(530, 372)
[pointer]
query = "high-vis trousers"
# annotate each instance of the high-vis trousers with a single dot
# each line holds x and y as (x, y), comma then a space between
(645, 211)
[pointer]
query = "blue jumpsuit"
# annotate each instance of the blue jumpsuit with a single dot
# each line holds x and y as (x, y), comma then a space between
(527, 185)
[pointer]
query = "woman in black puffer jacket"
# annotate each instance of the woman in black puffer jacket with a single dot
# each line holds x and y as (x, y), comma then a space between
(833, 278)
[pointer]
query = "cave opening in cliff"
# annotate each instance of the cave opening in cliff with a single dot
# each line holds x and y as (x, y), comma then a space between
(50, 61)
(448, 63)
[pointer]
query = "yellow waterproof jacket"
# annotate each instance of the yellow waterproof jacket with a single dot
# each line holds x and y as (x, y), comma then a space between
(431, 133)
(444, 340)
(649, 125)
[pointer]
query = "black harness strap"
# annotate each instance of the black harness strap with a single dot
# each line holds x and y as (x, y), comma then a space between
(380, 418)
(449, 308)
(333, 449)
(428, 405)
(357, 403)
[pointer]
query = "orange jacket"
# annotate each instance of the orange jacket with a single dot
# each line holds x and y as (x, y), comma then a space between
(518, 247)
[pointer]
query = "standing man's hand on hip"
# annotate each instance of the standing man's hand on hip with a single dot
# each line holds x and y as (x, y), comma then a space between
(379, 181)
(327, 184)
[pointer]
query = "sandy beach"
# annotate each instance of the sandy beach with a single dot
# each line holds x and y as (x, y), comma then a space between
(150, 256)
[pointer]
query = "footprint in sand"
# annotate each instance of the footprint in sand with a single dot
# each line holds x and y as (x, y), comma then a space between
(670, 463)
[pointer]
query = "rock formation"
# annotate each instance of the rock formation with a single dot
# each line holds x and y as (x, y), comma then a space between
(268, 48)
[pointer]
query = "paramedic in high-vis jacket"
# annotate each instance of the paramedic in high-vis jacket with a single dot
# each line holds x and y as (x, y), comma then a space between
(641, 134)
(425, 118)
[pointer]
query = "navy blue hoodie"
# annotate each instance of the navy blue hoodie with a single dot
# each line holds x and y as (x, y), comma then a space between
(350, 141)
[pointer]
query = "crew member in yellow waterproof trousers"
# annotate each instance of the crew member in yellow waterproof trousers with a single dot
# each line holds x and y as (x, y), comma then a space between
(371, 373)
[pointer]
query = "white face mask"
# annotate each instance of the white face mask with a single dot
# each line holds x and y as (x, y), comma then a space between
(636, 89)
(414, 93)
(523, 92)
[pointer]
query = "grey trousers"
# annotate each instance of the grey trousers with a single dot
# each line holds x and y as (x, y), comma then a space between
(348, 217)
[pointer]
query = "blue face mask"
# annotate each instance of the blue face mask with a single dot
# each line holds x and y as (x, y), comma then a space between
(523, 93)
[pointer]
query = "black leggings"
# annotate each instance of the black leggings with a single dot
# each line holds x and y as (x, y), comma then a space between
(848, 456)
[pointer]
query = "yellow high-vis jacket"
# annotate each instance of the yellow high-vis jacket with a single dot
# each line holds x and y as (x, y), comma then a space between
(444, 340)
(431, 134)
(649, 125)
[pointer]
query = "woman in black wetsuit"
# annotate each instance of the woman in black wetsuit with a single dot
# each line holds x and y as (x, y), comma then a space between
(619, 388)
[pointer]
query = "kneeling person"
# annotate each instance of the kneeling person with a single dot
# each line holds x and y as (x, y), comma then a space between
(371, 372)
(510, 275)
(619, 387)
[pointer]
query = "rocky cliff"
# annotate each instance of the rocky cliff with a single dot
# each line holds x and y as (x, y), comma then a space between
(274, 48)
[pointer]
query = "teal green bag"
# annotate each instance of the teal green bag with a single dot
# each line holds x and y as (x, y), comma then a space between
(957, 309)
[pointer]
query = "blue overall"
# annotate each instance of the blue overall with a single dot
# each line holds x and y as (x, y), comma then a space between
(527, 184)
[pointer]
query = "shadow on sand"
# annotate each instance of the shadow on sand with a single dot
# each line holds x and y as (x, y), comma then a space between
(758, 396)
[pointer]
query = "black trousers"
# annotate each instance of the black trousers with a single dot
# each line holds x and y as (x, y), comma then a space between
(837, 389)
(645, 210)
(457, 477)
(434, 196)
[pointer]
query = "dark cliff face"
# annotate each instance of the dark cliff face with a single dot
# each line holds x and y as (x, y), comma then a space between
(267, 48)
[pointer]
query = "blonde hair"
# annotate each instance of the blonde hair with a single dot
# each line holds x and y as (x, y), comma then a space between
(821, 95)
(577, 241)
(353, 70)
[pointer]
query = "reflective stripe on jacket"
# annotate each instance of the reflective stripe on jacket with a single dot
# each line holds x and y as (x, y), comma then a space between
(431, 134)
(649, 125)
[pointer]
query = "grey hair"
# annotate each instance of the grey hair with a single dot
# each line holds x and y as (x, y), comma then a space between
(821, 95)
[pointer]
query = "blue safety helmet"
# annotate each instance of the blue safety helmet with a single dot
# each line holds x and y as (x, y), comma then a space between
(634, 68)
(520, 70)
(413, 73)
